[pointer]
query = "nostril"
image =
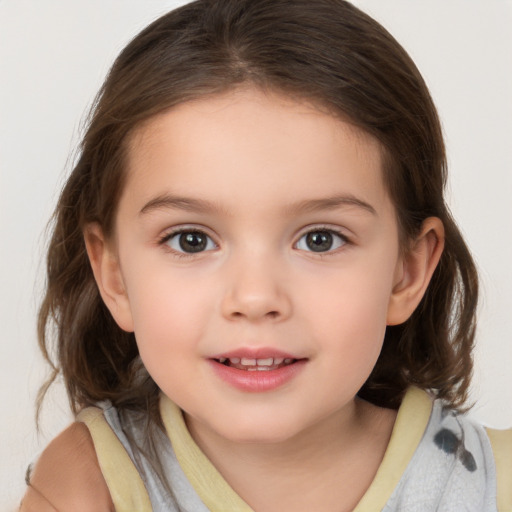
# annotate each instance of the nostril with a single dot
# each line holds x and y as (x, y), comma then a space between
(270, 314)
(255, 307)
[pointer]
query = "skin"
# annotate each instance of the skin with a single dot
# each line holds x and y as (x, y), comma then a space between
(255, 172)
(67, 477)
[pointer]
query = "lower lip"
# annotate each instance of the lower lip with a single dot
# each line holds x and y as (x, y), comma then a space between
(257, 381)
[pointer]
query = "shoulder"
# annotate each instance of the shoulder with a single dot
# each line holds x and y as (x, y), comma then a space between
(501, 442)
(452, 467)
(67, 476)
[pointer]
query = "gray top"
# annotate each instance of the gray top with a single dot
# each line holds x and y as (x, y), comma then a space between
(452, 469)
(175, 495)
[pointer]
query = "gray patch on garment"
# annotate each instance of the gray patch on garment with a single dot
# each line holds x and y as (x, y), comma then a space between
(447, 441)
(468, 460)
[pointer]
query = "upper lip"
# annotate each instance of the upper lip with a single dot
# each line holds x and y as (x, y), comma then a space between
(255, 353)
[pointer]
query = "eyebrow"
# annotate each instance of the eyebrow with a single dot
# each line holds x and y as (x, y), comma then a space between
(331, 203)
(167, 201)
(188, 204)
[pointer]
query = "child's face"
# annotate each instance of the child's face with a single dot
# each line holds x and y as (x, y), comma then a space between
(255, 227)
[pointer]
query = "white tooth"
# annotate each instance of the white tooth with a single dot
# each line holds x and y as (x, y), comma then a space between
(248, 362)
(288, 361)
(222, 359)
(278, 360)
(263, 368)
(264, 362)
(234, 360)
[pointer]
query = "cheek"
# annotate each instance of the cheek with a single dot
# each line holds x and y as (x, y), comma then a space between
(169, 311)
(350, 308)
(169, 321)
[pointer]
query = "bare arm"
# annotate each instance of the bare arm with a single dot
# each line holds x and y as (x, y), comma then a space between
(67, 477)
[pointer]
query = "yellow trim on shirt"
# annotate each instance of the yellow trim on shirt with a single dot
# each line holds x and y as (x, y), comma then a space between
(410, 425)
(123, 480)
(218, 496)
(209, 484)
(501, 442)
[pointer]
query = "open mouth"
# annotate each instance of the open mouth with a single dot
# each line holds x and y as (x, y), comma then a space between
(257, 372)
(256, 365)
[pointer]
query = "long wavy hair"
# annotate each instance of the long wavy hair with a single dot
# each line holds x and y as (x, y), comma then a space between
(324, 51)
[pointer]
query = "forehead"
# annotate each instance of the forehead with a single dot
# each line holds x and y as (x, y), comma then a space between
(257, 143)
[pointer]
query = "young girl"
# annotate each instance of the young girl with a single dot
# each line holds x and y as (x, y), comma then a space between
(259, 298)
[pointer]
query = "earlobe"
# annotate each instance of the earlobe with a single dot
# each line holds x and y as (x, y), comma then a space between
(415, 271)
(107, 273)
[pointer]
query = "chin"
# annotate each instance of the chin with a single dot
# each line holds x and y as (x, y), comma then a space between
(253, 431)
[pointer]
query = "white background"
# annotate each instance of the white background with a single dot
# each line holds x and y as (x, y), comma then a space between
(53, 56)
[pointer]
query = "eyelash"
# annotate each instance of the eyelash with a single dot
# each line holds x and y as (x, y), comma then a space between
(163, 241)
(324, 229)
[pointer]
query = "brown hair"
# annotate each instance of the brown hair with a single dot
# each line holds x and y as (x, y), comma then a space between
(327, 52)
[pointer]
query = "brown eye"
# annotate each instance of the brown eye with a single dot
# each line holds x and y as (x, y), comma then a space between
(319, 241)
(322, 240)
(190, 242)
(193, 242)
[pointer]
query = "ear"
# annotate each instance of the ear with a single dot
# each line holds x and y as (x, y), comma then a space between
(415, 270)
(107, 273)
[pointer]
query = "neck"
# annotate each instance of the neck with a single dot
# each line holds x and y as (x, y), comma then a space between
(329, 466)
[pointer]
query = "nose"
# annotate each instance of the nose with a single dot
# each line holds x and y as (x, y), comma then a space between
(256, 291)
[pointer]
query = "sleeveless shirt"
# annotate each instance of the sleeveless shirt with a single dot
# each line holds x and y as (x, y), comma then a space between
(436, 460)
